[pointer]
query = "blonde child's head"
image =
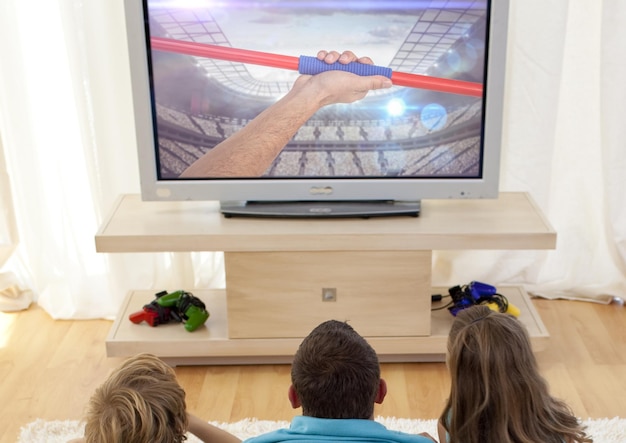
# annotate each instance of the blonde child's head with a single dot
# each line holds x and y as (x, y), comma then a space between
(140, 402)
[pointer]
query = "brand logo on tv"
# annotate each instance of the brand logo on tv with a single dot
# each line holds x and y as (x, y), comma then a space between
(323, 190)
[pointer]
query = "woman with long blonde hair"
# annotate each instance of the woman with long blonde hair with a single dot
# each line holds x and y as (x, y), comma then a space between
(497, 394)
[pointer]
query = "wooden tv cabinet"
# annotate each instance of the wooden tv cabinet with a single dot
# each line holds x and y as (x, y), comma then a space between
(285, 276)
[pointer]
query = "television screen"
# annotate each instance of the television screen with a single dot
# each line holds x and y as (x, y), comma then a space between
(195, 86)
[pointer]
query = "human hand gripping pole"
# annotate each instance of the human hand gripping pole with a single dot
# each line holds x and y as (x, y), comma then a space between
(312, 65)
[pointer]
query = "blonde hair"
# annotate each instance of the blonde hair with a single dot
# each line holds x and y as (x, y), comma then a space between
(140, 402)
(497, 394)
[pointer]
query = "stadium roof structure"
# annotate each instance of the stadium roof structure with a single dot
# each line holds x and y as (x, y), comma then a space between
(436, 31)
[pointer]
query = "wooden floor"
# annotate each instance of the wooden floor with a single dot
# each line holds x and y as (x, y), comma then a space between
(49, 368)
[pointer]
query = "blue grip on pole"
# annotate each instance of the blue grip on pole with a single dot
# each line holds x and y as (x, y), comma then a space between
(312, 65)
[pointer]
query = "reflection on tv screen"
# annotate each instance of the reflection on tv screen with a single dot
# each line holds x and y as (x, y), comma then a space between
(397, 132)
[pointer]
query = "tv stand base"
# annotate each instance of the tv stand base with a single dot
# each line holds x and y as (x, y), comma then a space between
(284, 276)
(320, 209)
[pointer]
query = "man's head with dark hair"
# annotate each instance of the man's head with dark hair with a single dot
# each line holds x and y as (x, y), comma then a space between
(336, 374)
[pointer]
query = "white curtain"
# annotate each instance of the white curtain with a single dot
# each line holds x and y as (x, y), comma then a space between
(565, 144)
(67, 137)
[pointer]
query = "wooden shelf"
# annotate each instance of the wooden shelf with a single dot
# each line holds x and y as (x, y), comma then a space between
(210, 344)
(513, 221)
(278, 269)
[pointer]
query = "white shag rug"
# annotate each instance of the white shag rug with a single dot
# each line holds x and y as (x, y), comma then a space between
(604, 430)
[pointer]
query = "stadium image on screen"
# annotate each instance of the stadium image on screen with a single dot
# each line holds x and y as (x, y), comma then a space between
(398, 132)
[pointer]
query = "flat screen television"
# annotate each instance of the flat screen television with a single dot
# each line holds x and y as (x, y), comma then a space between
(380, 155)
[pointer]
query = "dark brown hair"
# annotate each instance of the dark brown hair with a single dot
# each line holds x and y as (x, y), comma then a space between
(497, 394)
(336, 373)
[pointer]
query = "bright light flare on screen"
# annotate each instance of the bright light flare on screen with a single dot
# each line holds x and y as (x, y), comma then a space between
(396, 107)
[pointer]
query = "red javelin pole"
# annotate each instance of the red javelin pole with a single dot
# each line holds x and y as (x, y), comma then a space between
(292, 63)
